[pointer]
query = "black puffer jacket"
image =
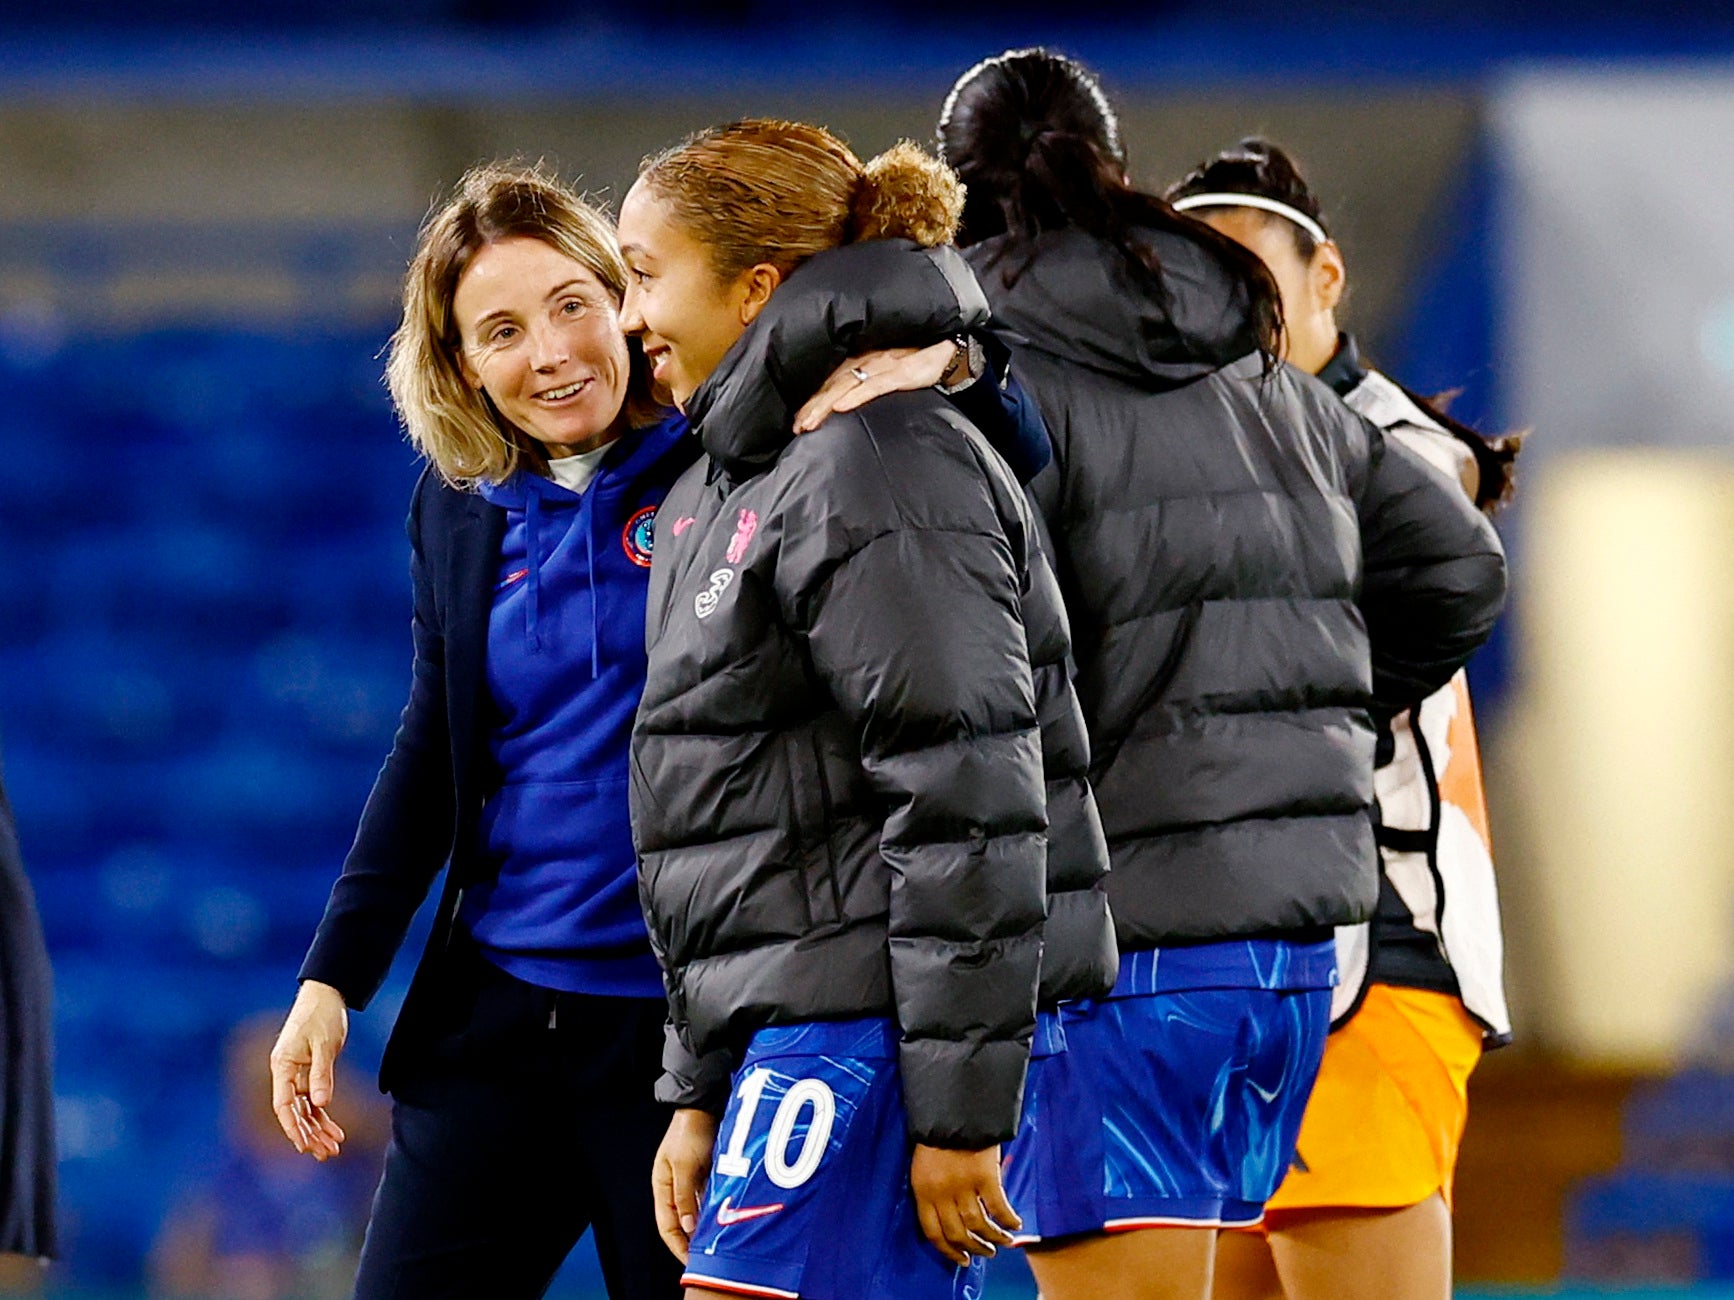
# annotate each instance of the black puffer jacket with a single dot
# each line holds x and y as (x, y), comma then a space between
(838, 786)
(1249, 567)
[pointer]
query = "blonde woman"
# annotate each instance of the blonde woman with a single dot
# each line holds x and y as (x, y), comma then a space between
(522, 1066)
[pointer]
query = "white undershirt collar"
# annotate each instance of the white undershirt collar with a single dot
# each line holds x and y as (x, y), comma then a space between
(575, 472)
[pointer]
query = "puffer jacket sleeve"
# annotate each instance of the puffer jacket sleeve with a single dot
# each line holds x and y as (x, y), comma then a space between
(917, 633)
(1434, 577)
(692, 1081)
(407, 826)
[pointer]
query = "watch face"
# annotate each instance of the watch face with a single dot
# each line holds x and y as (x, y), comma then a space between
(968, 363)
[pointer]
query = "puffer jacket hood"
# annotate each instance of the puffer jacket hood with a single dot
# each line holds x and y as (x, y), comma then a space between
(1074, 298)
(838, 304)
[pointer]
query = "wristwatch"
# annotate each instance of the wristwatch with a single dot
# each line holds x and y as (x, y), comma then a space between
(968, 365)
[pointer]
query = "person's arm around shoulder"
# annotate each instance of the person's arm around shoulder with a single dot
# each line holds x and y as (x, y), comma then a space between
(973, 371)
(401, 844)
(1433, 579)
(917, 633)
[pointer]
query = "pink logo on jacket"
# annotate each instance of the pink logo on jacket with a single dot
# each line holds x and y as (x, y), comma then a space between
(747, 525)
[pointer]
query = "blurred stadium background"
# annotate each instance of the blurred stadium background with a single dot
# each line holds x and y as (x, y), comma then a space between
(204, 208)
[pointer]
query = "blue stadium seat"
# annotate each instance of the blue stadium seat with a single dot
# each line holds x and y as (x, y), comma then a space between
(1633, 1226)
(204, 647)
(1683, 1125)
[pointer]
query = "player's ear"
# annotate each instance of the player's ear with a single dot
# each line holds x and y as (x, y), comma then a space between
(1328, 274)
(756, 285)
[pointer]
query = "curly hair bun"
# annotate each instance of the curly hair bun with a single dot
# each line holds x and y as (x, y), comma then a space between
(907, 193)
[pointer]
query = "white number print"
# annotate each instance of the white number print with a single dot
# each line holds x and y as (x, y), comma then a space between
(734, 1163)
(824, 1101)
(704, 604)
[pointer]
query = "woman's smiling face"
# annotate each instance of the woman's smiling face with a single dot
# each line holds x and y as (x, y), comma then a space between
(541, 336)
(685, 315)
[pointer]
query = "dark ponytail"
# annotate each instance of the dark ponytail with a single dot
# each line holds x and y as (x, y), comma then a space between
(1264, 170)
(1495, 457)
(1037, 146)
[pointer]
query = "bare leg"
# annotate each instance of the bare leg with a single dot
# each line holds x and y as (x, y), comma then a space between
(1245, 1269)
(1149, 1264)
(1365, 1254)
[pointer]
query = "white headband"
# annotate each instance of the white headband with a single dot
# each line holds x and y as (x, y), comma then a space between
(1258, 201)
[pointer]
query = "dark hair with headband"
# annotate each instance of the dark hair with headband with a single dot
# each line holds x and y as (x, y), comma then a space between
(1260, 170)
(1265, 174)
(1038, 148)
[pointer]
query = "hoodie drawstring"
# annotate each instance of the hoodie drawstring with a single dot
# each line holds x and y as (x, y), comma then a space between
(533, 559)
(587, 519)
(593, 513)
(533, 610)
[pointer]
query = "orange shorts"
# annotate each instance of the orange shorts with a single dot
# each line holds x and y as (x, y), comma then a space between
(1386, 1116)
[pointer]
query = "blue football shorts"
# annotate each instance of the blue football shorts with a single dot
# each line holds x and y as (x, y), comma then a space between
(809, 1188)
(1163, 1110)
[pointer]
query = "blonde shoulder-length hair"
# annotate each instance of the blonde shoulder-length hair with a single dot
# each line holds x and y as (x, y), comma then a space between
(450, 422)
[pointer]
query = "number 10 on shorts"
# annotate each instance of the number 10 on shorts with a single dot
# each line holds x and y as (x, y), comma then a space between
(802, 1095)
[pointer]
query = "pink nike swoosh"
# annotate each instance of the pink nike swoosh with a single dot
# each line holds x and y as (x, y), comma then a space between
(726, 1216)
(682, 524)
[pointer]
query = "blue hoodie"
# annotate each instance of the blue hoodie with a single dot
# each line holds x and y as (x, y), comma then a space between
(565, 669)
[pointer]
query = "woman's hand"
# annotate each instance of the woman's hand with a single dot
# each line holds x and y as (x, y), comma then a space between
(895, 370)
(678, 1174)
(962, 1207)
(304, 1069)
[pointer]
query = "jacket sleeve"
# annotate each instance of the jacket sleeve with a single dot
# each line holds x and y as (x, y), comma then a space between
(918, 635)
(406, 828)
(1433, 581)
(691, 1081)
(1080, 957)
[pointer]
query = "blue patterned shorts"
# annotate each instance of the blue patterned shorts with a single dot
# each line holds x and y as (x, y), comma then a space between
(1166, 1109)
(809, 1189)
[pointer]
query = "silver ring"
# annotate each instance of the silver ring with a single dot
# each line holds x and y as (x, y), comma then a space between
(860, 374)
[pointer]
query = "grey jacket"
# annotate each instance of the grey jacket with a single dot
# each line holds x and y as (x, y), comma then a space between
(838, 789)
(1250, 570)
